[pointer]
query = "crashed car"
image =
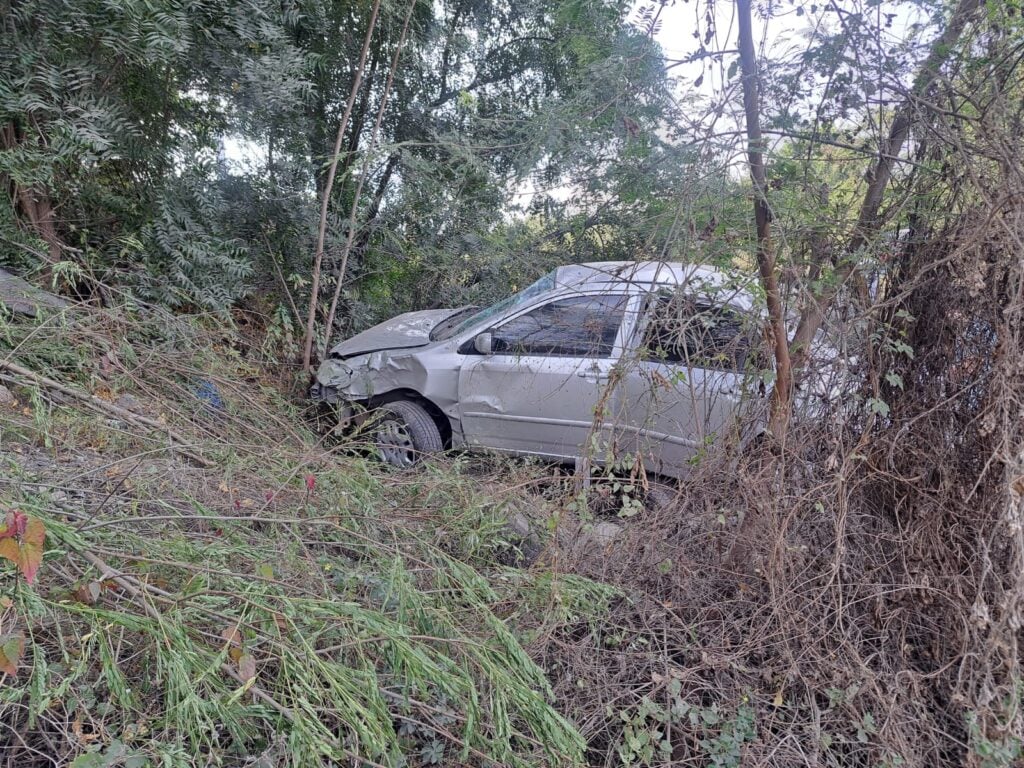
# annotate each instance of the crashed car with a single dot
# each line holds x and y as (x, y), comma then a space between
(595, 361)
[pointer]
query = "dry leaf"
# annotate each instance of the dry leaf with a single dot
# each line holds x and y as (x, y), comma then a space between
(247, 667)
(88, 593)
(231, 635)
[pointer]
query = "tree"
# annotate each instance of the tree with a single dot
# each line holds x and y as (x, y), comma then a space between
(793, 353)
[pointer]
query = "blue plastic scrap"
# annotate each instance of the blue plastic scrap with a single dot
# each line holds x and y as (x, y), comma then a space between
(208, 394)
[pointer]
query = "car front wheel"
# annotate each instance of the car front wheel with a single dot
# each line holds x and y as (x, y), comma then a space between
(403, 432)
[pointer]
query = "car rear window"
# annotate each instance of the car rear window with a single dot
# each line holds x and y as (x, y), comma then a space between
(695, 334)
(579, 326)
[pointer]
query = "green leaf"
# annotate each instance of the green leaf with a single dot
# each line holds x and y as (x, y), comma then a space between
(11, 649)
(894, 379)
(879, 407)
(90, 760)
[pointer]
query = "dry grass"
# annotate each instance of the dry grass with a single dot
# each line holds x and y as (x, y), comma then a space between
(856, 598)
(234, 615)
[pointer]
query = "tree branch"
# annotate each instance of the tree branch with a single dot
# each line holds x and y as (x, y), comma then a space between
(782, 391)
(868, 220)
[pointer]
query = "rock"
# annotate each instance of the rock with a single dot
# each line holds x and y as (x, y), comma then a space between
(24, 298)
(603, 533)
(6, 397)
(528, 541)
(520, 524)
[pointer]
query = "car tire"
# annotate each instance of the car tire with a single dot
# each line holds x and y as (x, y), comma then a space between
(403, 432)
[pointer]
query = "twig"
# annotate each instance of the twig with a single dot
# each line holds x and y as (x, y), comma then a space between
(109, 408)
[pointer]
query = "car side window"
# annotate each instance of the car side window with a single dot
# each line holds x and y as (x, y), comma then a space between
(694, 333)
(579, 326)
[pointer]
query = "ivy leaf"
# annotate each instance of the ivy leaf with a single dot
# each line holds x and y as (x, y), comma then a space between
(11, 649)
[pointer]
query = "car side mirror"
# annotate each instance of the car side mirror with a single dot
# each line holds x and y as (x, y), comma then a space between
(482, 343)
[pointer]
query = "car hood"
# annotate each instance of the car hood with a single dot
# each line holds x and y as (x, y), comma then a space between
(403, 332)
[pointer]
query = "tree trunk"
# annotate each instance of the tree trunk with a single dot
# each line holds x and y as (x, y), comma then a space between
(782, 391)
(325, 195)
(32, 204)
(354, 211)
(366, 231)
(359, 115)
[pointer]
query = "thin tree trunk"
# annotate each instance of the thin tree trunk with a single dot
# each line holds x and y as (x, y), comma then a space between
(32, 203)
(868, 221)
(782, 391)
(325, 197)
(353, 212)
(359, 115)
(378, 198)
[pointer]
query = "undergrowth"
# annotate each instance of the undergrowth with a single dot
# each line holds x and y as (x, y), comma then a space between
(288, 605)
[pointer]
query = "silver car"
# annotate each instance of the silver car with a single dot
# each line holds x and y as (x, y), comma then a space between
(599, 361)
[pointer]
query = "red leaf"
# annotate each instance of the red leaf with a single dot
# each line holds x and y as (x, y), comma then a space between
(14, 525)
(27, 554)
(310, 482)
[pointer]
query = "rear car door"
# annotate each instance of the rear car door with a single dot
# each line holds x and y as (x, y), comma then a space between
(684, 379)
(548, 371)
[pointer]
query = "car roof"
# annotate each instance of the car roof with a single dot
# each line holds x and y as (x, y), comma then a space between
(701, 278)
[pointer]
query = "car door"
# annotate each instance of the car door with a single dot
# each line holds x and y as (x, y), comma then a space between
(547, 373)
(683, 381)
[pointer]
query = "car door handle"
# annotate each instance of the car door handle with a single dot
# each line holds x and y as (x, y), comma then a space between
(594, 373)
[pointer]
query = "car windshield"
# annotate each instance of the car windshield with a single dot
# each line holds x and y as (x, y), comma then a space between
(448, 330)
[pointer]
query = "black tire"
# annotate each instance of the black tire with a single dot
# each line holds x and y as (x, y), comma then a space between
(403, 432)
(661, 498)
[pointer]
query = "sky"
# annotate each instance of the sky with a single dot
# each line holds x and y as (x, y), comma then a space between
(790, 21)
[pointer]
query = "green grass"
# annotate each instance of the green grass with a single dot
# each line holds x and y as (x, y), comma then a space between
(383, 628)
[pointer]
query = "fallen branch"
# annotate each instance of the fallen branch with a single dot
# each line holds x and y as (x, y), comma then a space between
(137, 590)
(110, 409)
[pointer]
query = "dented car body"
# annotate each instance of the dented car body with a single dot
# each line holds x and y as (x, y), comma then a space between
(597, 361)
